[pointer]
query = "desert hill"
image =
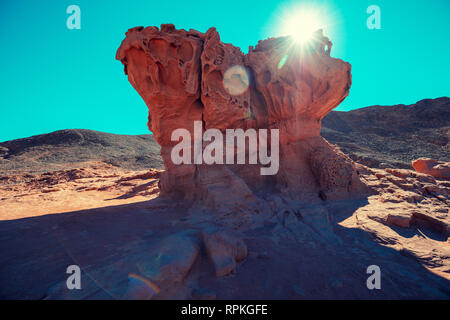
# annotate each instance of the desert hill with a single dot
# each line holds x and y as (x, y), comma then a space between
(392, 136)
(376, 136)
(67, 148)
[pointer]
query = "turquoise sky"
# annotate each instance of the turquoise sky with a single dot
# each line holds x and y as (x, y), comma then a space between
(54, 78)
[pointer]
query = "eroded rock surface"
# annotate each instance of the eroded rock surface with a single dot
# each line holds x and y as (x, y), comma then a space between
(225, 249)
(150, 248)
(185, 76)
(310, 231)
(437, 169)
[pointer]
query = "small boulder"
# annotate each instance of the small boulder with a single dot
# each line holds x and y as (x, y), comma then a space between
(225, 249)
(437, 169)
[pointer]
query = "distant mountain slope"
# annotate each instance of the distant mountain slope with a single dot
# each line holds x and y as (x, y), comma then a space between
(66, 148)
(392, 136)
(377, 136)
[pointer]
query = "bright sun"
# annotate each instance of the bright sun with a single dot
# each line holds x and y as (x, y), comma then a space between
(301, 24)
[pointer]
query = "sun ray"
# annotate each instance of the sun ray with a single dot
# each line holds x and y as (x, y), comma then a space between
(302, 20)
(301, 25)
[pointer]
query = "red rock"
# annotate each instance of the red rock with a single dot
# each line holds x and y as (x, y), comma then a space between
(437, 169)
(185, 76)
(164, 68)
(223, 110)
(224, 249)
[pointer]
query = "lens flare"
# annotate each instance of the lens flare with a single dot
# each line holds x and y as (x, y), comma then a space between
(283, 61)
(236, 80)
(139, 281)
(302, 22)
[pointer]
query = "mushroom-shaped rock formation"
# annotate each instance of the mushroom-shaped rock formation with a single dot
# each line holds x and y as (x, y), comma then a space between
(186, 76)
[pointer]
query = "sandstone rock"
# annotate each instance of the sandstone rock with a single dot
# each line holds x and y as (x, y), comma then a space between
(224, 93)
(164, 68)
(298, 88)
(437, 169)
(401, 220)
(225, 249)
(171, 263)
(185, 76)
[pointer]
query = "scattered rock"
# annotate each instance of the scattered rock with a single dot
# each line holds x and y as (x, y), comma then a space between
(173, 259)
(225, 249)
(437, 169)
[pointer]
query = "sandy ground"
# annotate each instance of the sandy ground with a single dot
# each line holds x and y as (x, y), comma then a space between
(93, 185)
(113, 224)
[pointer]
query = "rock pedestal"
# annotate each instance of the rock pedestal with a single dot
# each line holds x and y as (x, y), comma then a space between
(186, 76)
